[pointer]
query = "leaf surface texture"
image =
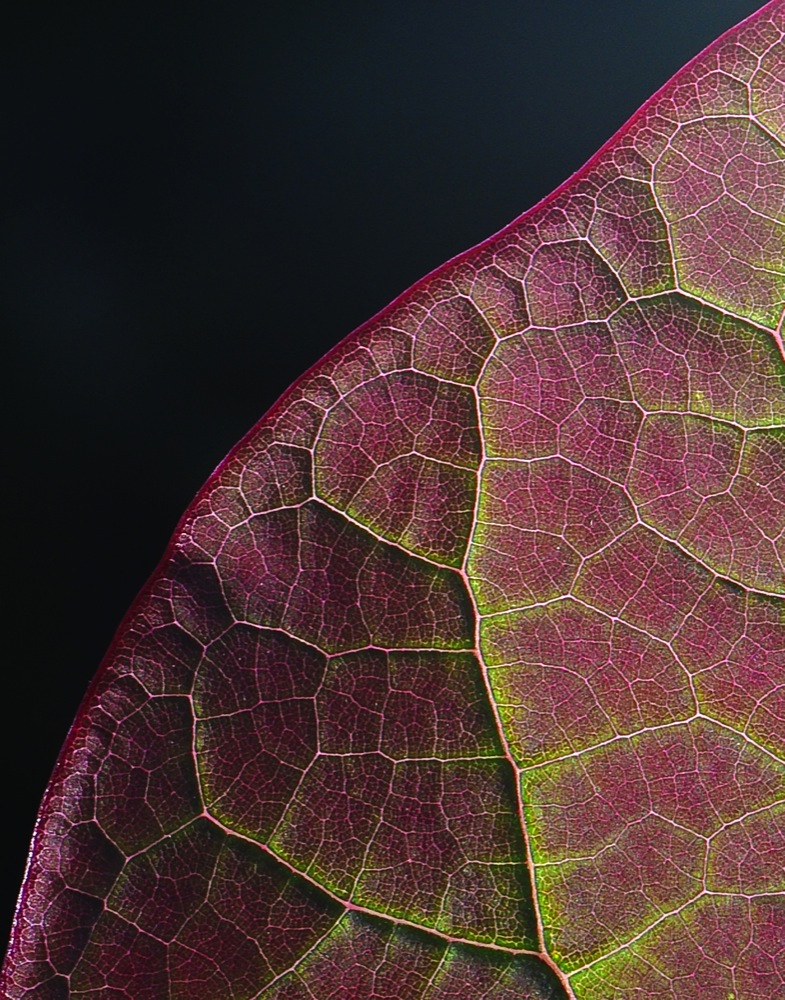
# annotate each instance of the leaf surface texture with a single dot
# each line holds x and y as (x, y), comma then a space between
(464, 675)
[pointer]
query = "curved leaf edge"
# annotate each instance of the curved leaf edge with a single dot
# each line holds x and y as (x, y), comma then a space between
(61, 764)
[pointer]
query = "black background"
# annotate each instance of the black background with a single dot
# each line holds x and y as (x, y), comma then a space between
(200, 200)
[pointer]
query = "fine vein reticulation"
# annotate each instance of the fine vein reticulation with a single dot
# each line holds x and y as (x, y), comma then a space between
(465, 674)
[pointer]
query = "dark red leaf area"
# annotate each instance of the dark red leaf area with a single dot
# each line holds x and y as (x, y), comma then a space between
(463, 676)
(410, 475)
(370, 960)
(313, 574)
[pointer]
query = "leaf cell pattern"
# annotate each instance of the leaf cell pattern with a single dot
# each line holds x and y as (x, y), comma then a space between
(464, 676)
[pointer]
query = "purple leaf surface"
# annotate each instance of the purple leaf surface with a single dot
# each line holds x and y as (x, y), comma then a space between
(463, 675)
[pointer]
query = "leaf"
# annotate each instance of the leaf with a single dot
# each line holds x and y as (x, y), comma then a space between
(462, 676)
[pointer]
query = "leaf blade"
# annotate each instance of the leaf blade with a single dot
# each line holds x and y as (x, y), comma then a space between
(587, 292)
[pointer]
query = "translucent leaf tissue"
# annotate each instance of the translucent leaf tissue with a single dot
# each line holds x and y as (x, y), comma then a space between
(464, 675)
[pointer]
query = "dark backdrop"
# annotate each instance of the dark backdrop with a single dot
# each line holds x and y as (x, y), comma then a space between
(203, 198)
